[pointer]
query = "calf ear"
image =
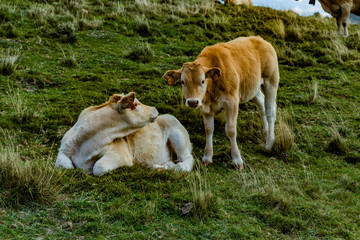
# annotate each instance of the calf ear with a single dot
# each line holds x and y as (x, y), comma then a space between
(213, 73)
(172, 76)
(115, 98)
(128, 101)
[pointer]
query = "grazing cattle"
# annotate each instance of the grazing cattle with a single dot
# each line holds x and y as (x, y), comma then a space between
(224, 75)
(340, 9)
(123, 132)
(238, 2)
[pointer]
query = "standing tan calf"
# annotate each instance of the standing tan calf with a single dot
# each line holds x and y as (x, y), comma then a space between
(226, 74)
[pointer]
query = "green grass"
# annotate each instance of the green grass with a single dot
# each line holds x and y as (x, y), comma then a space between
(68, 55)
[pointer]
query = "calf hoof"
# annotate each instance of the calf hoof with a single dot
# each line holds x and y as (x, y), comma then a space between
(159, 169)
(238, 166)
(206, 161)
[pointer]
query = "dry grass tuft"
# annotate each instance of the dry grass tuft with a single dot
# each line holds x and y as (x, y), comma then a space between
(205, 203)
(314, 96)
(284, 137)
(277, 27)
(337, 145)
(8, 59)
(25, 182)
(339, 49)
(143, 54)
(86, 24)
(69, 60)
(20, 109)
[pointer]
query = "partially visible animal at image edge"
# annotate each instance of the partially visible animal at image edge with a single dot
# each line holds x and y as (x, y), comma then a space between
(340, 9)
(224, 75)
(238, 2)
(124, 132)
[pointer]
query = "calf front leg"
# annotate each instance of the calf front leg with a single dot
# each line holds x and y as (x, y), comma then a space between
(209, 130)
(230, 128)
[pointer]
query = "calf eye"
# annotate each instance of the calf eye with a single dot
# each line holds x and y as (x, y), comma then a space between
(202, 82)
(182, 82)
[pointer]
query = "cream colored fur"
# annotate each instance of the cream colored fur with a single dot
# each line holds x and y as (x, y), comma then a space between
(341, 9)
(116, 134)
(226, 74)
(238, 2)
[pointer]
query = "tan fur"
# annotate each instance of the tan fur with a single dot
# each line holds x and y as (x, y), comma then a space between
(341, 9)
(123, 132)
(226, 74)
(238, 2)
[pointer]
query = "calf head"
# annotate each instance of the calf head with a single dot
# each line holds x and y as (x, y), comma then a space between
(133, 113)
(194, 80)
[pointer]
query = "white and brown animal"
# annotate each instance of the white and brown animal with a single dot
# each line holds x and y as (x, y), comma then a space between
(226, 74)
(238, 2)
(124, 132)
(340, 9)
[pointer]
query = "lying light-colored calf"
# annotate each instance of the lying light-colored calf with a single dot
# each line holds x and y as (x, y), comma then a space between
(238, 2)
(123, 132)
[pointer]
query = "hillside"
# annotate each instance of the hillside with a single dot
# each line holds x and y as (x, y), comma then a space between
(60, 56)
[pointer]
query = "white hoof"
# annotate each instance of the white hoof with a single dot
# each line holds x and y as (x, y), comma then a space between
(206, 160)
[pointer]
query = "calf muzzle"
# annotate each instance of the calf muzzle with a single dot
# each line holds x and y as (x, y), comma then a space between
(193, 103)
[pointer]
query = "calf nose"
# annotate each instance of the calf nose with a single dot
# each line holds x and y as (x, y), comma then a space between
(193, 103)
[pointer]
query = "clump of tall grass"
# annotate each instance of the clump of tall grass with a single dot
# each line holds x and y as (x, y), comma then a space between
(277, 27)
(339, 49)
(337, 144)
(25, 182)
(6, 12)
(65, 31)
(143, 54)
(117, 10)
(19, 106)
(76, 5)
(8, 30)
(220, 19)
(294, 33)
(314, 96)
(284, 136)
(86, 24)
(69, 60)
(8, 60)
(142, 26)
(205, 203)
(41, 12)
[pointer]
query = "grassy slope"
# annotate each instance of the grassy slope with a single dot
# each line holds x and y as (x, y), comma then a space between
(306, 192)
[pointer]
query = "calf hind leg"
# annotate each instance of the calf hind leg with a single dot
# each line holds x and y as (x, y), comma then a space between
(270, 89)
(259, 100)
(180, 142)
(111, 161)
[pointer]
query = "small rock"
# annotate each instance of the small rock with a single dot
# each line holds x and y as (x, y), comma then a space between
(186, 209)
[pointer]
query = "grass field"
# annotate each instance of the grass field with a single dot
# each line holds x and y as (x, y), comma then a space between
(58, 57)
